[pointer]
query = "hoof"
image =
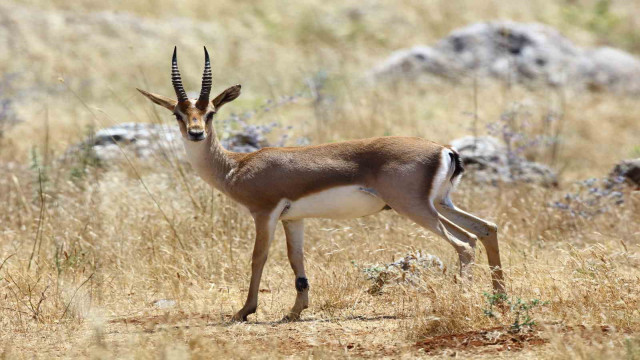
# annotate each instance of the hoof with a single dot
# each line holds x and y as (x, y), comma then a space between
(239, 317)
(291, 317)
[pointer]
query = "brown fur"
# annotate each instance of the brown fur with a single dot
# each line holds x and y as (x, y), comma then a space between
(401, 170)
(264, 177)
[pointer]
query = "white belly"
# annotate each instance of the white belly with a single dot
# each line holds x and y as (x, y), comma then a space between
(342, 202)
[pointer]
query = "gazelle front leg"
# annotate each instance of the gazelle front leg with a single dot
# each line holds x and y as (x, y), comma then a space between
(294, 231)
(265, 226)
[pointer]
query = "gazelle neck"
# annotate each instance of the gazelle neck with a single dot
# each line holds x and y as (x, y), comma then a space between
(209, 159)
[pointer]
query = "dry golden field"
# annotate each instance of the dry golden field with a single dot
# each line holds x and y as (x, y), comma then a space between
(86, 252)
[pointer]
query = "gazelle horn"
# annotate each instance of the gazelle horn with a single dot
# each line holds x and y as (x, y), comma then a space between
(176, 80)
(206, 82)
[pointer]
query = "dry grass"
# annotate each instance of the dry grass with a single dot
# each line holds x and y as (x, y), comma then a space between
(83, 261)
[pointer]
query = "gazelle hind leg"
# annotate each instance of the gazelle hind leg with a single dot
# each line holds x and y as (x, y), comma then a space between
(294, 231)
(465, 254)
(399, 194)
(486, 231)
(425, 215)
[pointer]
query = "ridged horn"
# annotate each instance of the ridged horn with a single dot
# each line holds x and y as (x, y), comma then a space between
(176, 80)
(203, 100)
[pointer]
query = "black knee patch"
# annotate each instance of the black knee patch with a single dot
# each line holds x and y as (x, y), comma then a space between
(302, 284)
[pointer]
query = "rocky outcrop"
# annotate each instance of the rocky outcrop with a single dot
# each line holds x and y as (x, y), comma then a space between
(144, 141)
(487, 160)
(516, 52)
(629, 170)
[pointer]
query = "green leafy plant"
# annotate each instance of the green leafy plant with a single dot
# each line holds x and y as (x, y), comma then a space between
(518, 308)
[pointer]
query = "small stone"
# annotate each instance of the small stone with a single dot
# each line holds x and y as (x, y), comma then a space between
(164, 303)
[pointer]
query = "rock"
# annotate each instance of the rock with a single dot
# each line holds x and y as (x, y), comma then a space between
(407, 270)
(517, 52)
(140, 139)
(628, 170)
(144, 141)
(250, 139)
(487, 160)
(164, 303)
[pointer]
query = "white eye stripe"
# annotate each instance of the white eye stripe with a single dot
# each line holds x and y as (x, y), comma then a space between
(179, 114)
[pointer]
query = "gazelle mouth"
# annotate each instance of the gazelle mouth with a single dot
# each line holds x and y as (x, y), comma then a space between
(196, 136)
(196, 139)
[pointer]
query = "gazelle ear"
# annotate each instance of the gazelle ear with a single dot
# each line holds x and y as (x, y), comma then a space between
(160, 100)
(226, 96)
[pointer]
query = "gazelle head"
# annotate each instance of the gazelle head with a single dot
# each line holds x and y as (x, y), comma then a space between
(193, 115)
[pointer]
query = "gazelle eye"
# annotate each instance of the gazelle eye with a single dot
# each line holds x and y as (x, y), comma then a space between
(177, 117)
(210, 116)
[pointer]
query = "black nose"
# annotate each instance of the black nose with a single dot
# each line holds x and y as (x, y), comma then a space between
(196, 135)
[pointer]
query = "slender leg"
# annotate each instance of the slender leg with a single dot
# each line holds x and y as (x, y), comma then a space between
(465, 253)
(265, 226)
(294, 231)
(486, 231)
(425, 215)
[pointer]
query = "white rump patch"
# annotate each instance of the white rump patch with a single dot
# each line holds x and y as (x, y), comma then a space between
(342, 202)
(441, 185)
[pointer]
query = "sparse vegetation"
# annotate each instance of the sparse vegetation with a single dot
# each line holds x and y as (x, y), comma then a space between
(86, 251)
(520, 309)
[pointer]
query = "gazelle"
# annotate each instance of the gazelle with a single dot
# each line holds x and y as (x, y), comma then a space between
(349, 179)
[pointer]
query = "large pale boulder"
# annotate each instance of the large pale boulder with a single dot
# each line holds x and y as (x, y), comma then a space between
(517, 52)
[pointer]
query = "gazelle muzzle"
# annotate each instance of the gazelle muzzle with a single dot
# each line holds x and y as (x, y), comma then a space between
(196, 133)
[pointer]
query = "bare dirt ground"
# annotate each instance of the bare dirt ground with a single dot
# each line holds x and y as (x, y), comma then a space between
(358, 336)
